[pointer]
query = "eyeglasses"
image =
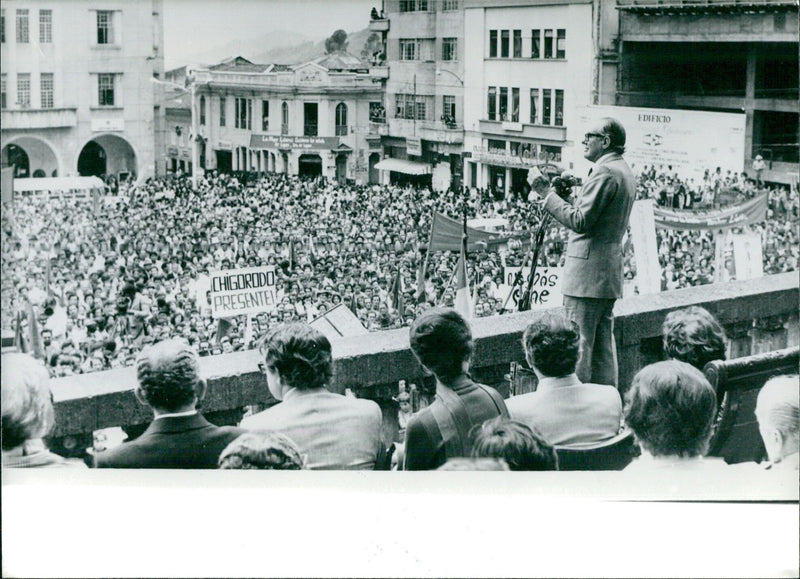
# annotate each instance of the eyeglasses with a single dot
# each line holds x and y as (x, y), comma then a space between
(588, 136)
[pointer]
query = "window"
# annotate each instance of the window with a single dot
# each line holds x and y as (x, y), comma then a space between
(496, 146)
(202, 110)
(22, 26)
(105, 27)
(450, 5)
(409, 106)
(504, 44)
(449, 48)
(515, 105)
(518, 44)
(243, 113)
(535, 40)
(46, 89)
(546, 106)
(3, 92)
(409, 49)
(492, 103)
(311, 119)
(449, 110)
(285, 119)
(265, 116)
(413, 5)
(534, 104)
(222, 104)
(548, 43)
(105, 90)
(493, 44)
(45, 26)
(561, 43)
(503, 104)
(559, 120)
(341, 119)
(377, 114)
(24, 90)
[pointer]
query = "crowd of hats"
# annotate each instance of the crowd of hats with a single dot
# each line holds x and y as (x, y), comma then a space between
(85, 268)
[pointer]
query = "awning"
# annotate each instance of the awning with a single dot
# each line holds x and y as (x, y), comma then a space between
(404, 166)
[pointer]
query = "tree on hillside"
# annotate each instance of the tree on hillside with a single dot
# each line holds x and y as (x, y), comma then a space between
(372, 47)
(337, 42)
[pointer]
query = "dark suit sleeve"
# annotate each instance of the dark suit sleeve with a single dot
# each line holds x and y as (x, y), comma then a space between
(420, 449)
(592, 200)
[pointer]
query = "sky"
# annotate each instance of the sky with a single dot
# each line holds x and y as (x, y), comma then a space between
(194, 26)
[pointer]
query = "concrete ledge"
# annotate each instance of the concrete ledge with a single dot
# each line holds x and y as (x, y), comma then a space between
(91, 401)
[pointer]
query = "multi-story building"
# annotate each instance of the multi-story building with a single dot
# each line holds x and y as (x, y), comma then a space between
(529, 72)
(718, 55)
(423, 76)
(77, 96)
(307, 119)
(177, 122)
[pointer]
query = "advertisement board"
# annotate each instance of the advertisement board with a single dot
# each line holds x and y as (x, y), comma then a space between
(689, 141)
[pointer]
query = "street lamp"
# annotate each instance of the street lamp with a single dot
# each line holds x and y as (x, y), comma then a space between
(195, 133)
(439, 71)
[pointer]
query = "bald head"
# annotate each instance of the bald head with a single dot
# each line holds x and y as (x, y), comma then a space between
(778, 414)
(169, 376)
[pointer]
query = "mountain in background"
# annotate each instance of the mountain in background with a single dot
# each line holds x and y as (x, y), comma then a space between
(280, 47)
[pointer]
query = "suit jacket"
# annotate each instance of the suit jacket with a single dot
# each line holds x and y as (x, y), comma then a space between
(569, 413)
(598, 220)
(333, 431)
(172, 442)
(425, 447)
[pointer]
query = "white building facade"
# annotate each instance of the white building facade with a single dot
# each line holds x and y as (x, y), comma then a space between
(77, 95)
(311, 119)
(528, 74)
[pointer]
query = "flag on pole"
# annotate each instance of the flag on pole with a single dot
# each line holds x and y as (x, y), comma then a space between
(34, 335)
(20, 342)
(396, 293)
(463, 302)
(292, 254)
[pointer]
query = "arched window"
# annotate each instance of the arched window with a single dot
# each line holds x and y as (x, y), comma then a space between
(202, 110)
(285, 118)
(341, 119)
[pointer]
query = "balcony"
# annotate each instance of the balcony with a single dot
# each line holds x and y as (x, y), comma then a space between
(379, 25)
(380, 72)
(506, 128)
(442, 131)
(310, 130)
(39, 118)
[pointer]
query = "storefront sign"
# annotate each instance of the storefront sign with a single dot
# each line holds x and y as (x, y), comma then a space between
(108, 125)
(525, 160)
(287, 143)
(248, 290)
(224, 145)
(172, 151)
(414, 146)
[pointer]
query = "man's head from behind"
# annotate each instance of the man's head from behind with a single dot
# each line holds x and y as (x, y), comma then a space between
(442, 342)
(169, 377)
(692, 335)
(262, 451)
(551, 345)
(515, 442)
(778, 414)
(26, 399)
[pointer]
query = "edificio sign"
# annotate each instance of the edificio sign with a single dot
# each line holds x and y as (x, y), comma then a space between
(248, 290)
(293, 143)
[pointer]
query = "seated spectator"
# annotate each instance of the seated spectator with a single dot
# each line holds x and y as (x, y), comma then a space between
(442, 342)
(179, 437)
(779, 421)
(261, 451)
(694, 336)
(333, 431)
(27, 413)
(670, 409)
(565, 411)
(474, 463)
(515, 442)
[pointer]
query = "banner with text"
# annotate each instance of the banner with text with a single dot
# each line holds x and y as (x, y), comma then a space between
(286, 142)
(248, 290)
(545, 291)
(645, 247)
(689, 141)
(752, 211)
(748, 256)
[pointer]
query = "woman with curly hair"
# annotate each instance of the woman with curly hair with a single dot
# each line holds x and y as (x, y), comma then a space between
(333, 431)
(694, 336)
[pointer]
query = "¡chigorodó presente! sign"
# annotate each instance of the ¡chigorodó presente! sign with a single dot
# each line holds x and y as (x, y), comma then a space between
(248, 290)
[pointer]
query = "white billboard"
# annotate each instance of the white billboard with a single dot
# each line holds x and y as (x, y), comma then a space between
(689, 141)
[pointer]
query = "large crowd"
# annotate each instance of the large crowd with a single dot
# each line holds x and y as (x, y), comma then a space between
(107, 278)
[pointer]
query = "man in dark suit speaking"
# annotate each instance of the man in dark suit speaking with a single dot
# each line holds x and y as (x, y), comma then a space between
(598, 219)
(179, 437)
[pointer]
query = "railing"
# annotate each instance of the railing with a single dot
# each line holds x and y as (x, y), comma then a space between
(759, 315)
